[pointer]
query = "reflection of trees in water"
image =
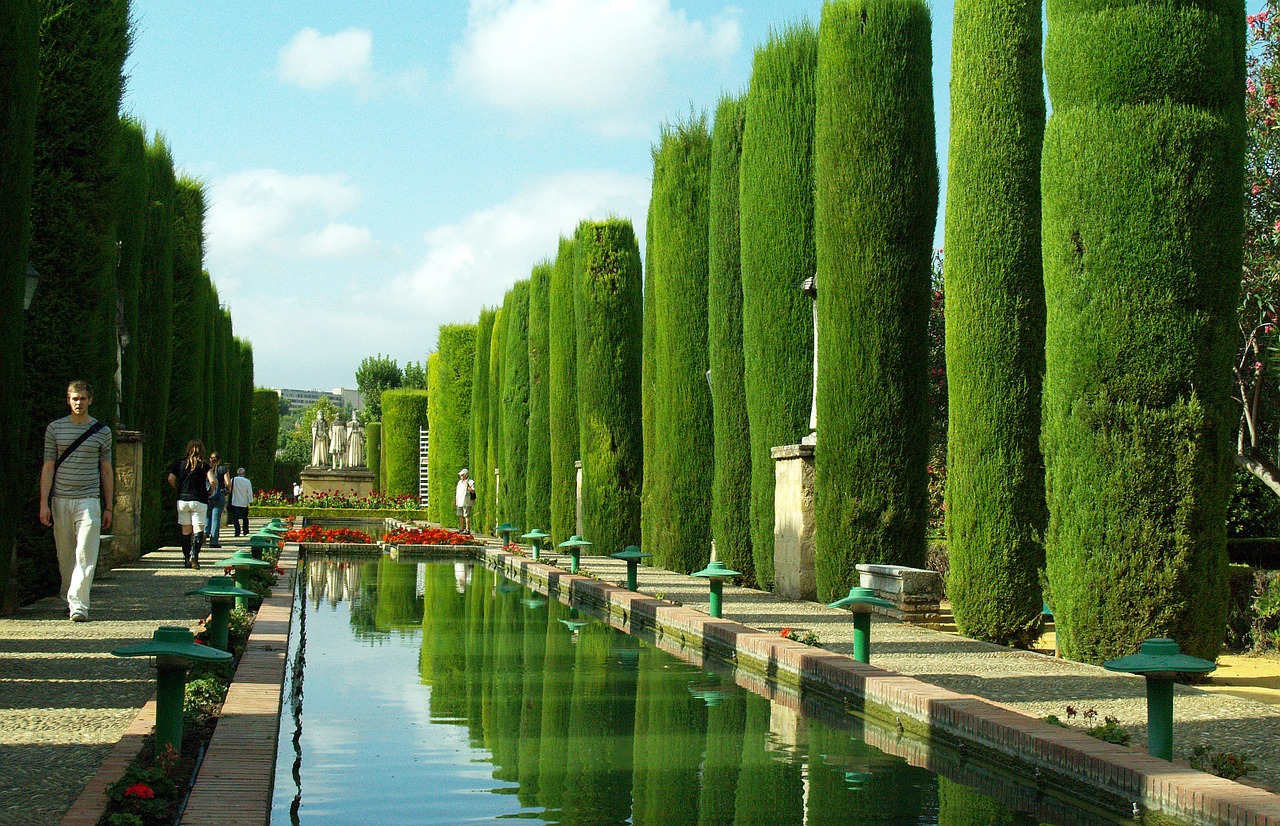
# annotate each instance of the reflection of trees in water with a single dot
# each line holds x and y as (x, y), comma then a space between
(398, 608)
(849, 779)
(294, 679)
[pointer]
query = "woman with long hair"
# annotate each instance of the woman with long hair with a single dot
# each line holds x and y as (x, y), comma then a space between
(193, 478)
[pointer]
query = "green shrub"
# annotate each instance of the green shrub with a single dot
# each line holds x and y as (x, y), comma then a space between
(514, 421)
(1265, 633)
(493, 453)
(131, 225)
(1110, 731)
(403, 413)
(1254, 509)
(480, 473)
(731, 483)
(1142, 178)
(264, 434)
(778, 254)
(1226, 764)
(202, 700)
(373, 452)
(244, 379)
(607, 304)
(187, 399)
(679, 509)
(875, 208)
(995, 512)
(562, 401)
(537, 476)
(450, 409)
(285, 473)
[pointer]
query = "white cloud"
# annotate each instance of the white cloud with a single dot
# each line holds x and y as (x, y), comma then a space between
(609, 60)
(313, 60)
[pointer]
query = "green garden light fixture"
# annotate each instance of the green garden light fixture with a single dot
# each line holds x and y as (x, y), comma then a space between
(1159, 660)
(243, 563)
(575, 544)
(535, 538)
(174, 649)
(506, 529)
(258, 542)
(862, 602)
(632, 556)
(717, 573)
(222, 592)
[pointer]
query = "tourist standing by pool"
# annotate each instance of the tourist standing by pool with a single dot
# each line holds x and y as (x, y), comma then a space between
(193, 478)
(241, 497)
(75, 479)
(462, 499)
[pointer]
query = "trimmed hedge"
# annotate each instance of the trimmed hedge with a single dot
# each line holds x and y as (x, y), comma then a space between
(493, 452)
(403, 412)
(451, 409)
(480, 509)
(648, 389)
(186, 382)
(131, 225)
(435, 473)
(245, 383)
(373, 452)
(1142, 178)
(537, 477)
(562, 399)
(264, 434)
(679, 511)
(731, 484)
(19, 89)
(778, 254)
(607, 305)
(514, 420)
(995, 317)
(874, 213)
(284, 474)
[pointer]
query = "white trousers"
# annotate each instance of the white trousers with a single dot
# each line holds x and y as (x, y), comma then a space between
(77, 526)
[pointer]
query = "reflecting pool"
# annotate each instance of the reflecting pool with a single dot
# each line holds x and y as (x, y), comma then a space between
(440, 692)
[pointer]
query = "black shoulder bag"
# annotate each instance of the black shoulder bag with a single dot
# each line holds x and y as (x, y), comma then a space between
(84, 437)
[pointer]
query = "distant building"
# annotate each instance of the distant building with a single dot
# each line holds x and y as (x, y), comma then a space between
(340, 396)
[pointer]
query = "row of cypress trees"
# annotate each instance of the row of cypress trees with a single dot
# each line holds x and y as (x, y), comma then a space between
(96, 209)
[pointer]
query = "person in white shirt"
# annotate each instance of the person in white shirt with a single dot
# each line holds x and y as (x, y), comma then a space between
(241, 497)
(462, 499)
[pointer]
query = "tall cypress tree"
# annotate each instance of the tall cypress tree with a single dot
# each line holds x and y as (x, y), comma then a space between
(19, 88)
(373, 452)
(131, 226)
(264, 431)
(244, 450)
(607, 306)
(185, 411)
(404, 411)
(681, 511)
(995, 320)
(1142, 175)
(650, 498)
(154, 340)
(514, 422)
(438, 485)
(562, 401)
(874, 212)
(537, 478)
(731, 485)
(480, 515)
(493, 456)
(233, 457)
(451, 415)
(778, 254)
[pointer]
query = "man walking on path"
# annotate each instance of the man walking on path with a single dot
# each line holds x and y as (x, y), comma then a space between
(241, 497)
(75, 480)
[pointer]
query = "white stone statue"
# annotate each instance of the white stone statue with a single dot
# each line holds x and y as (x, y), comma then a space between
(355, 443)
(320, 442)
(338, 444)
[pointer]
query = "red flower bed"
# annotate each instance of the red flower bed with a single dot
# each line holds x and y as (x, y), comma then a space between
(428, 536)
(336, 536)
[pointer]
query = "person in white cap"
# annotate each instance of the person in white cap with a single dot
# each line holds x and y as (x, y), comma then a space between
(462, 499)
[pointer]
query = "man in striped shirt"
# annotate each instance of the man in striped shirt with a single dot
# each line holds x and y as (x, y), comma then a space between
(72, 490)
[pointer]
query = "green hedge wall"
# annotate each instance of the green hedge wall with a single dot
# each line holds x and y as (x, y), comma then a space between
(19, 89)
(607, 306)
(874, 213)
(245, 382)
(649, 499)
(403, 412)
(514, 420)
(562, 399)
(264, 432)
(235, 457)
(731, 485)
(451, 415)
(284, 474)
(373, 452)
(436, 479)
(131, 226)
(778, 254)
(190, 292)
(995, 317)
(216, 396)
(1142, 177)
(480, 512)
(537, 477)
(154, 339)
(680, 510)
(493, 452)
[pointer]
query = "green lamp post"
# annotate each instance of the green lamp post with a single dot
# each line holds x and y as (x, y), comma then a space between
(717, 572)
(575, 544)
(861, 602)
(1159, 660)
(274, 530)
(506, 529)
(243, 563)
(222, 592)
(632, 556)
(258, 542)
(174, 649)
(535, 538)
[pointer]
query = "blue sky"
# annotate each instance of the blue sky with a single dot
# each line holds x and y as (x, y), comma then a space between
(377, 169)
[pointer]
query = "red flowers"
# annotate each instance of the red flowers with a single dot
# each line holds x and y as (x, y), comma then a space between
(337, 536)
(140, 790)
(427, 536)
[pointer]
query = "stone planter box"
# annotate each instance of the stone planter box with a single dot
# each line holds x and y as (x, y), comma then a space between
(915, 592)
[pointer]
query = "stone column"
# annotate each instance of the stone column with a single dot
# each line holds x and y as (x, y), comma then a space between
(577, 506)
(793, 522)
(127, 525)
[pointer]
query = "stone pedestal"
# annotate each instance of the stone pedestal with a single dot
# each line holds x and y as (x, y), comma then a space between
(356, 481)
(125, 545)
(793, 522)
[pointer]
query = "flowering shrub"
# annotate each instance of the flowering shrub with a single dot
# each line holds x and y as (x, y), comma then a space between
(337, 499)
(146, 795)
(334, 536)
(806, 637)
(428, 536)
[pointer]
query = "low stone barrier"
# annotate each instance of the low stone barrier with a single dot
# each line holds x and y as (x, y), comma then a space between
(915, 592)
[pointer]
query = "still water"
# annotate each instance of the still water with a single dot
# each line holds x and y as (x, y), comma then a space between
(440, 692)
